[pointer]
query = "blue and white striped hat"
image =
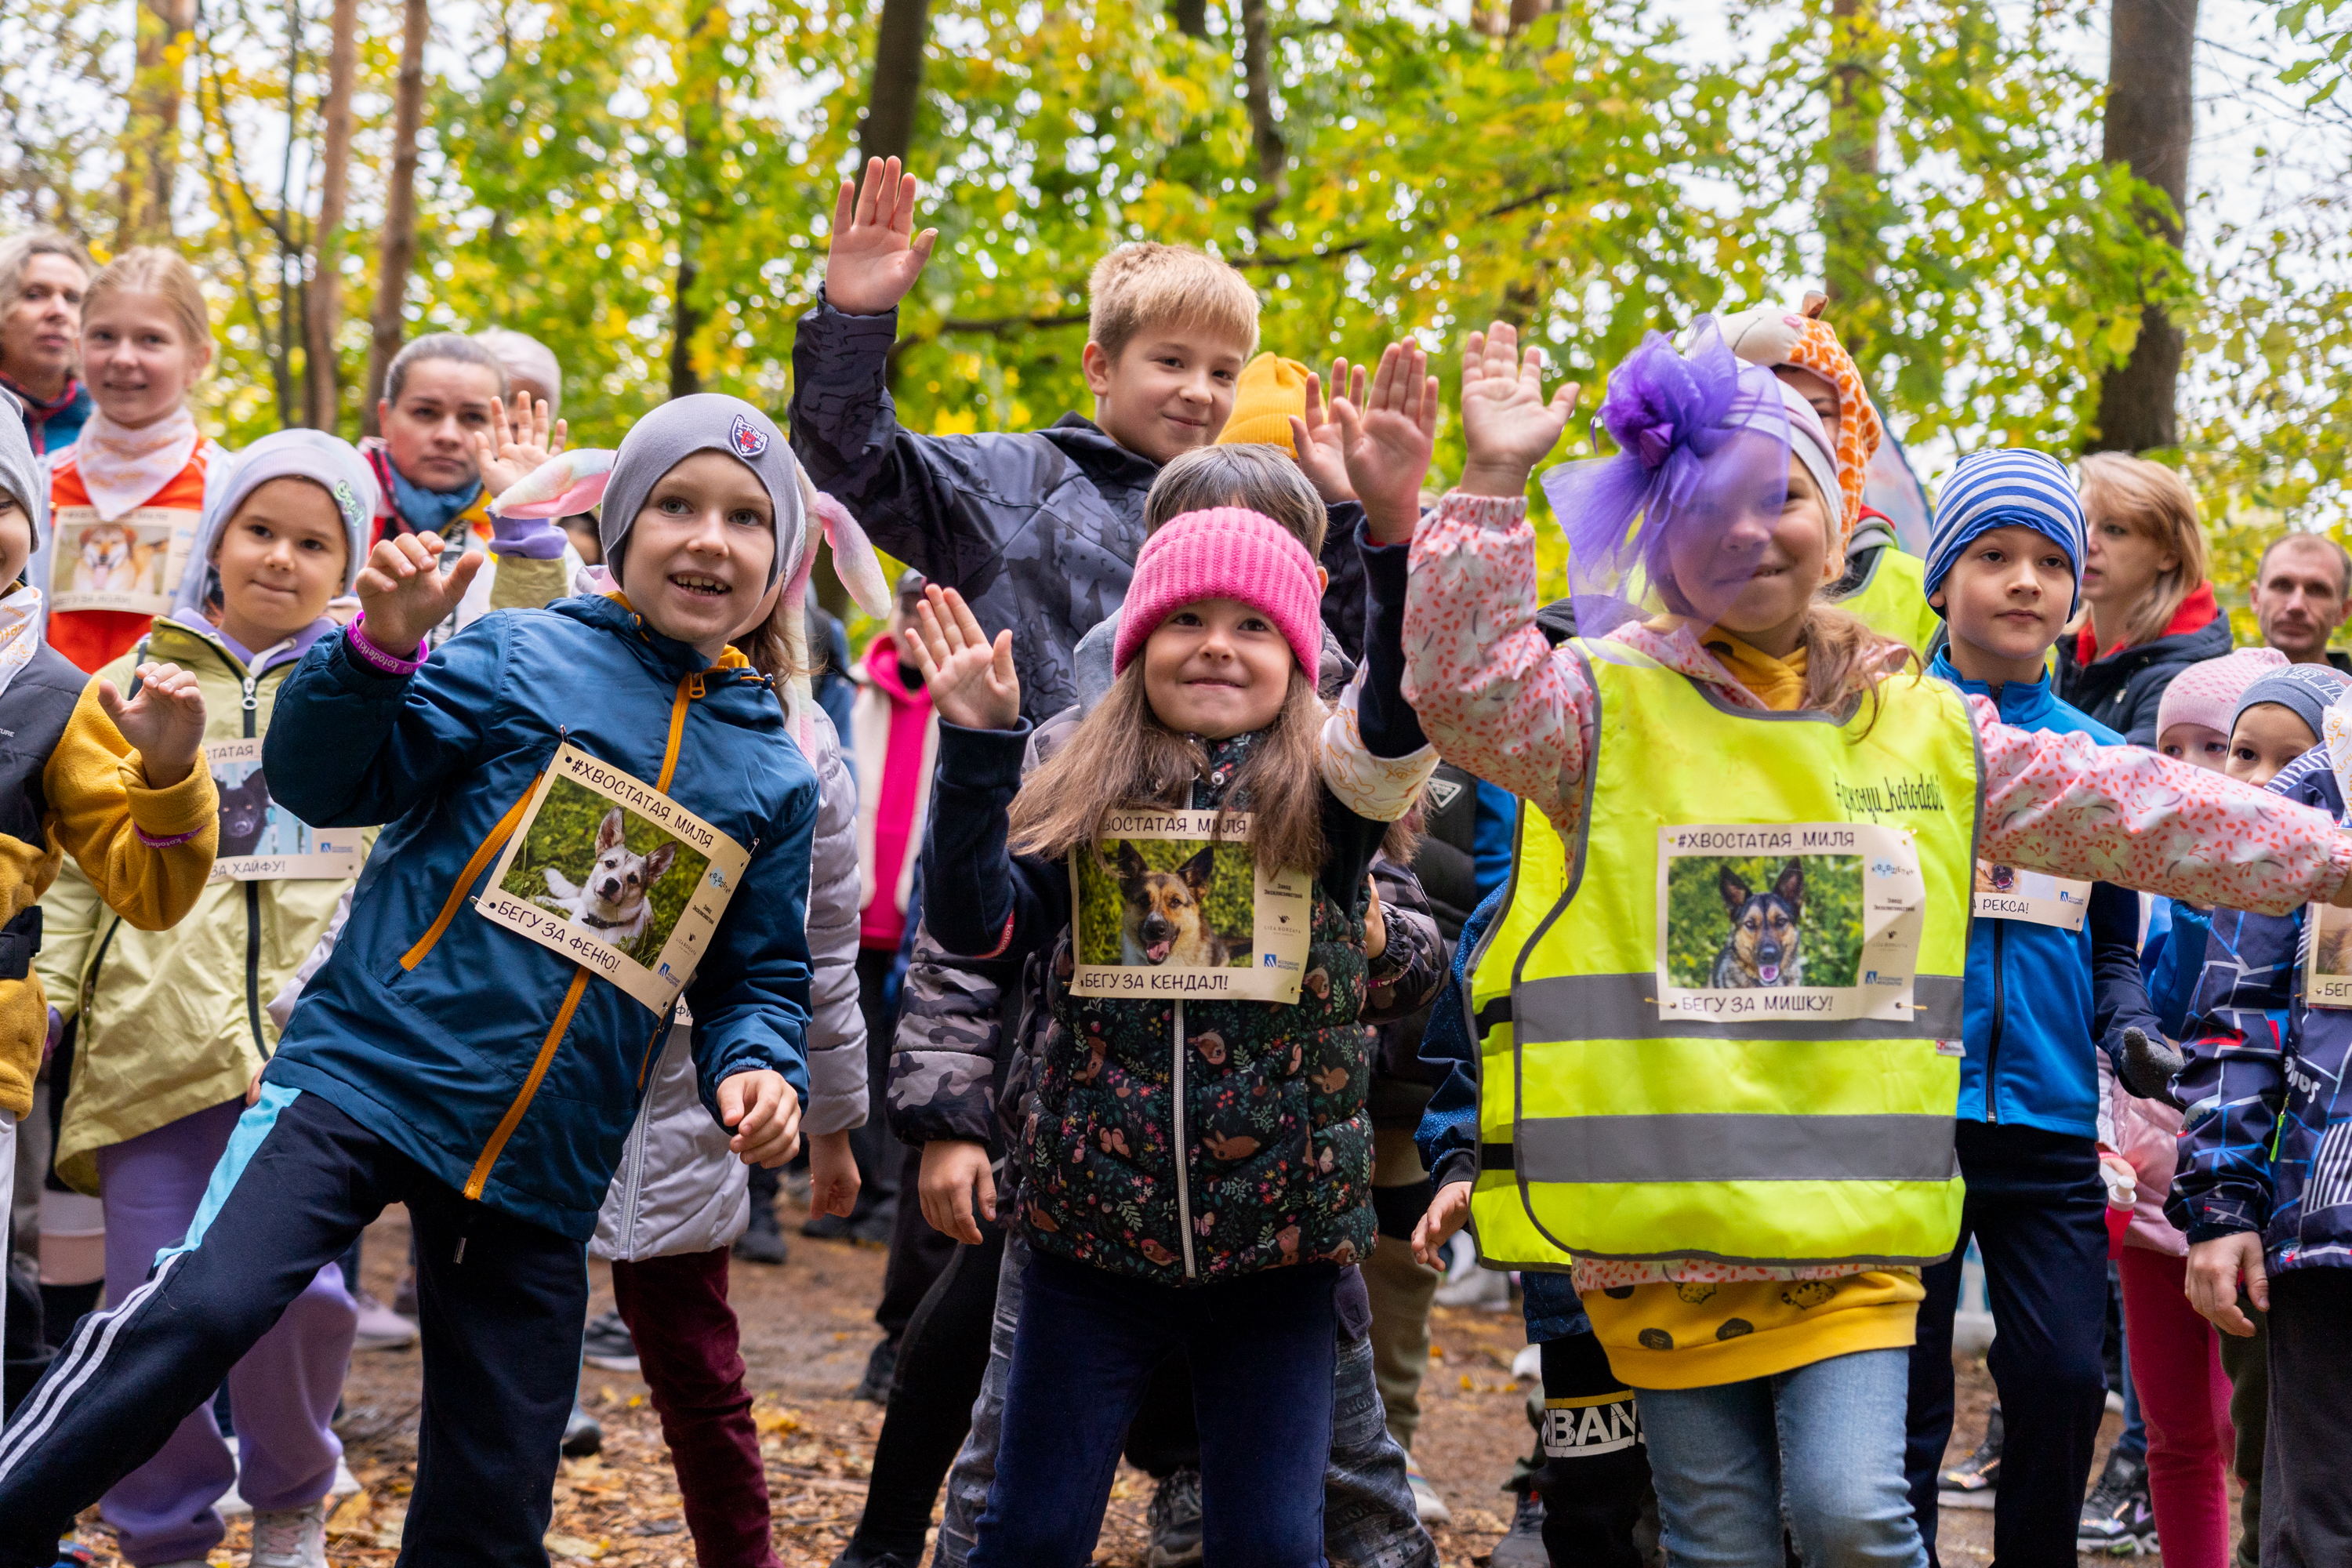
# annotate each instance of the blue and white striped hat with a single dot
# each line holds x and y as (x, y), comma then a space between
(2013, 486)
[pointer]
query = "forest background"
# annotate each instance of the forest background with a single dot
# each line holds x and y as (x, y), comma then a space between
(1996, 194)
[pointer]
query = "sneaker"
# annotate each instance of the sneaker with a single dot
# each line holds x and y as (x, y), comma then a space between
(1487, 1289)
(381, 1328)
(1523, 1546)
(1425, 1501)
(1972, 1482)
(881, 1367)
(762, 1240)
(581, 1435)
(825, 1227)
(1174, 1519)
(2118, 1520)
(608, 1344)
(290, 1538)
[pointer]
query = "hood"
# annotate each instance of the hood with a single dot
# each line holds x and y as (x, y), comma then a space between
(882, 669)
(1103, 460)
(333, 464)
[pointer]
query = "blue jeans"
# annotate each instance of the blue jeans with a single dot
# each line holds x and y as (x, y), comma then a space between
(1821, 1446)
(1261, 1349)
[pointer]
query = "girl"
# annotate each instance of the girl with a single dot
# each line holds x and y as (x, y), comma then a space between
(2148, 613)
(1745, 1205)
(446, 1059)
(146, 340)
(1181, 1153)
(172, 1026)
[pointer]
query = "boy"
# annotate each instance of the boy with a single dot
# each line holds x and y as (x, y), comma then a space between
(2050, 976)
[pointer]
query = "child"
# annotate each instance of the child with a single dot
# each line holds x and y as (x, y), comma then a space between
(2192, 721)
(442, 1059)
(116, 784)
(133, 488)
(172, 1026)
(2278, 719)
(2049, 978)
(1215, 705)
(1744, 1204)
(2259, 1187)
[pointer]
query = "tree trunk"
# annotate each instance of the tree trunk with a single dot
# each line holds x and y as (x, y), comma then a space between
(1852, 198)
(152, 158)
(1258, 92)
(1192, 17)
(399, 248)
(323, 313)
(2151, 114)
(896, 91)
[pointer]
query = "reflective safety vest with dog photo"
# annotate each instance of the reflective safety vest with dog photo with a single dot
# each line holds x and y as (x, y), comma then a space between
(615, 876)
(1724, 1024)
(1176, 906)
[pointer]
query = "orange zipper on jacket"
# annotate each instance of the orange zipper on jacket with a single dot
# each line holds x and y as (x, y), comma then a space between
(475, 1181)
(483, 854)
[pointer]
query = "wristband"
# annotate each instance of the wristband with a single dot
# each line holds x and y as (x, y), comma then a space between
(356, 642)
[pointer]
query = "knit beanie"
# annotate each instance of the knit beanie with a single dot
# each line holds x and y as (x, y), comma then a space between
(704, 422)
(2010, 487)
(2306, 689)
(2207, 693)
(1224, 553)
(331, 463)
(1269, 390)
(1809, 443)
(1772, 337)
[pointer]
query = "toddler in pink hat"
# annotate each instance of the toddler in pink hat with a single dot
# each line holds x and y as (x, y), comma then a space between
(2192, 722)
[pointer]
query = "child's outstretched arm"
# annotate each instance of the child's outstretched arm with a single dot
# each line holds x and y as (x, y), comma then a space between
(132, 803)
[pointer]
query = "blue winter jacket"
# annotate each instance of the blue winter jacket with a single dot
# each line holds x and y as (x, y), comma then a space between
(2267, 1144)
(2039, 1000)
(459, 1041)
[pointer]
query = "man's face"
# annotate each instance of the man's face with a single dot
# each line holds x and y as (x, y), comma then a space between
(2300, 598)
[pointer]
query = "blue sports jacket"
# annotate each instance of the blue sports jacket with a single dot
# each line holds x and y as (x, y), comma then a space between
(502, 1067)
(2267, 1143)
(2039, 1000)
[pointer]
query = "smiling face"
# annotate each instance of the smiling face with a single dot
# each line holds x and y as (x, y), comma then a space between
(428, 430)
(137, 358)
(1217, 668)
(280, 558)
(696, 559)
(2268, 737)
(2198, 745)
(1753, 547)
(1170, 390)
(2006, 599)
(40, 329)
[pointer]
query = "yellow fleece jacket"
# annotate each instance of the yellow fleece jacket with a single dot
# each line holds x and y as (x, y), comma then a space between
(99, 803)
(1700, 1333)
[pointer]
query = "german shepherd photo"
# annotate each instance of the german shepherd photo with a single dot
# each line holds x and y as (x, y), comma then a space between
(1161, 915)
(1765, 947)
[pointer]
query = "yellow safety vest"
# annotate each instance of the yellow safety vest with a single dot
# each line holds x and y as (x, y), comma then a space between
(1607, 1129)
(1893, 600)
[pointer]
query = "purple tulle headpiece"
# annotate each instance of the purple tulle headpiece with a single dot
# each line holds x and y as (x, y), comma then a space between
(1691, 429)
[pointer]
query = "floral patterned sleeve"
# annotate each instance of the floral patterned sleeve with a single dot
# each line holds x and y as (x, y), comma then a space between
(1492, 693)
(2072, 807)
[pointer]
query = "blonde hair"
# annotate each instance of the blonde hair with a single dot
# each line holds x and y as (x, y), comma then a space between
(2156, 504)
(152, 270)
(1148, 284)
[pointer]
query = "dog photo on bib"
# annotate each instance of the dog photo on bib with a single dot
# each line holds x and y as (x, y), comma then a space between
(129, 564)
(1175, 906)
(260, 839)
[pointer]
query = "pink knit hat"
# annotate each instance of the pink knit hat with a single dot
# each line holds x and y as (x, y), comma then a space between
(2207, 693)
(1224, 553)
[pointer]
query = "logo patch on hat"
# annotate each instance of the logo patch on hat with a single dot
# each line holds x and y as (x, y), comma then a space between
(747, 441)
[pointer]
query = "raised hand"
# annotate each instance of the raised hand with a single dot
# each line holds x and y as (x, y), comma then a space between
(1509, 425)
(516, 443)
(1316, 440)
(1387, 444)
(872, 260)
(403, 593)
(970, 679)
(164, 722)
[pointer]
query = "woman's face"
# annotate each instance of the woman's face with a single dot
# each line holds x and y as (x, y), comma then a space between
(138, 361)
(1753, 549)
(40, 329)
(428, 429)
(2121, 565)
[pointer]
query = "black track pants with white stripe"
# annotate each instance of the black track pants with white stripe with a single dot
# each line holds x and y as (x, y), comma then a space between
(503, 1304)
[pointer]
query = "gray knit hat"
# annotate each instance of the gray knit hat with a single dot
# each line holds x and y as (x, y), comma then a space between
(705, 422)
(2307, 691)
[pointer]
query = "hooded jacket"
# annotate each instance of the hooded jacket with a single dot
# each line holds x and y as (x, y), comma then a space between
(2039, 1002)
(502, 1067)
(2124, 689)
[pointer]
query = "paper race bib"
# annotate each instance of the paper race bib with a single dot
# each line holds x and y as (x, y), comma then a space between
(2006, 893)
(131, 563)
(262, 841)
(1169, 913)
(615, 876)
(2328, 956)
(1767, 923)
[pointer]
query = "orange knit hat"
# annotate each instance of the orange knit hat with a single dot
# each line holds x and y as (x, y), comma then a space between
(1771, 336)
(1269, 390)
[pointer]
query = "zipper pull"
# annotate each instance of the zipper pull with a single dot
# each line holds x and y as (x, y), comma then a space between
(252, 699)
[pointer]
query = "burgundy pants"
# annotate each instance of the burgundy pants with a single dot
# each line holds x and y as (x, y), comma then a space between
(676, 1311)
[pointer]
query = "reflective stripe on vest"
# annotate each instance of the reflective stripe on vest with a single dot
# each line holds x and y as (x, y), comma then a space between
(1780, 1142)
